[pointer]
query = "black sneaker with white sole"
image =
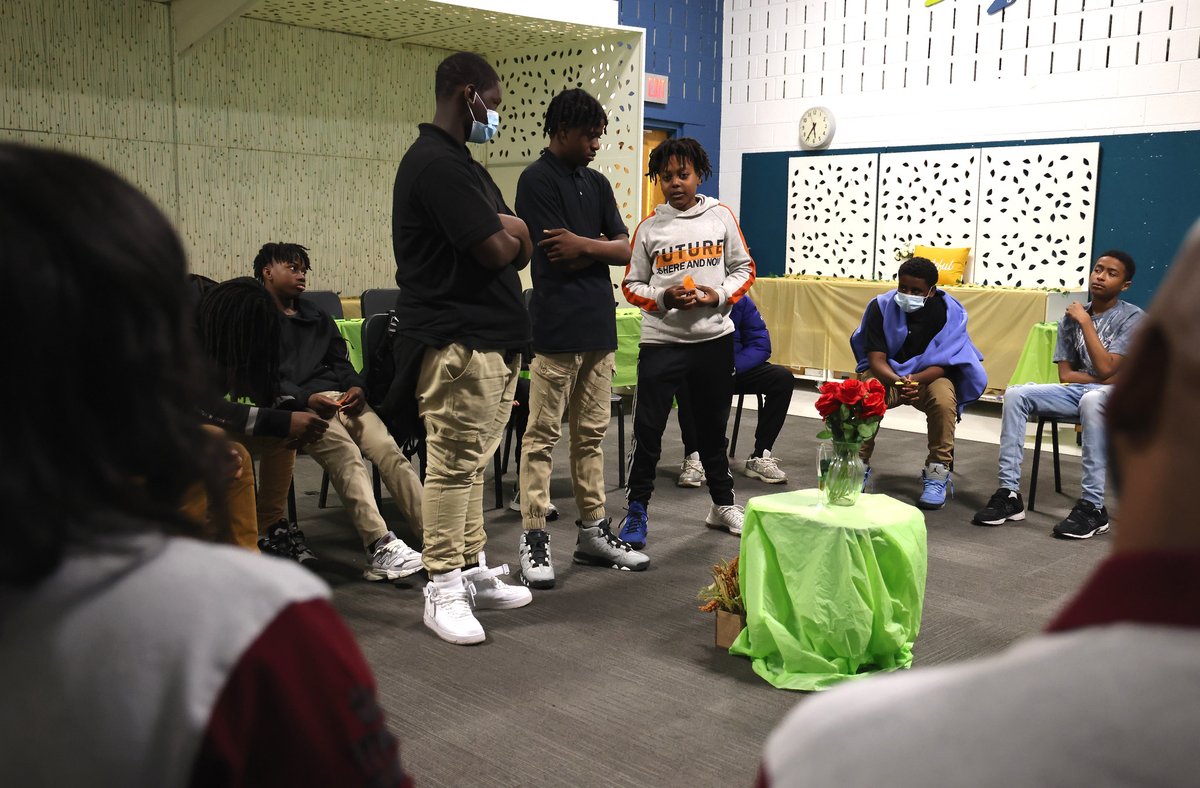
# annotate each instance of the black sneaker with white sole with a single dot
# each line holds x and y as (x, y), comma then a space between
(1084, 522)
(1004, 505)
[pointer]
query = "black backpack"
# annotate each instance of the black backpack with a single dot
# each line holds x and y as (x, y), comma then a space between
(379, 364)
(394, 399)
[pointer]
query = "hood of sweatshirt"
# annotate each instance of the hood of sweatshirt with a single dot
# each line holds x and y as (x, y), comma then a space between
(703, 205)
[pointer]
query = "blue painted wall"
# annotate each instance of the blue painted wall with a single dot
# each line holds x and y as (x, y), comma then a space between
(683, 41)
(1147, 198)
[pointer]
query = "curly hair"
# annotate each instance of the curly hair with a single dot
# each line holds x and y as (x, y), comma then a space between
(574, 109)
(683, 149)
(921, 268)
(280, 253)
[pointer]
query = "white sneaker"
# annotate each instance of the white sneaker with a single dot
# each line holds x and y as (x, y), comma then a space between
(515, 505)
(488, 592)
(392, 559)
(765, 468)
(728, 517)
(448, 614)
(691, 473)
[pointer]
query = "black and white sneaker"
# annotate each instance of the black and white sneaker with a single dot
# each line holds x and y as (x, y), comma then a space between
(278, 541)
(1004, 505)
(534, 550)
(596, 546)
(300, 552)
(1084, 522)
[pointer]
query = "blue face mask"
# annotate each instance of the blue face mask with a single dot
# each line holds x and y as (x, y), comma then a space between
(909, 303)
(482, 132)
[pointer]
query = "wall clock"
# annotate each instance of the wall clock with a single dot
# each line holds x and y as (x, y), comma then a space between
(816, 128)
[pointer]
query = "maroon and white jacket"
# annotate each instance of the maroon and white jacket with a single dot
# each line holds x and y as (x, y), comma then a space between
(156, 661)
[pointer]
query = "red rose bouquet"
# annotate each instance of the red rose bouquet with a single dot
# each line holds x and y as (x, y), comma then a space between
(852, 410)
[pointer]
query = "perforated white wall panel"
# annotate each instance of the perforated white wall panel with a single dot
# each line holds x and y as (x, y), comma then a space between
(926, 198)
(426, 23)
(831, 215)
(611, 70)
(278, 131)
(1036, 215)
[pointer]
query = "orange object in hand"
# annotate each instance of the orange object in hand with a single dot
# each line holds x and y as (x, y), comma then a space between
(689, 282)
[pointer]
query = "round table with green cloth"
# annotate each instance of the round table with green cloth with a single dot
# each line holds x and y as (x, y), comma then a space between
(831, 592)
(1036, 364)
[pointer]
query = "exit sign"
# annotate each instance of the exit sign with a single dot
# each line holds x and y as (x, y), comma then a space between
(656, 88)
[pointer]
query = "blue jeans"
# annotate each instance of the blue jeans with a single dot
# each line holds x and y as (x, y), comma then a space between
(1080, 402)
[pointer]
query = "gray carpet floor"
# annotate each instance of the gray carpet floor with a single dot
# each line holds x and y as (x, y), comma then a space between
(611, 678)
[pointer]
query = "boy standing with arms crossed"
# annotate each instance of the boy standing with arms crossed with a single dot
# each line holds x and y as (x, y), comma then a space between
(573, 217)
(458, 249)
(689, 265)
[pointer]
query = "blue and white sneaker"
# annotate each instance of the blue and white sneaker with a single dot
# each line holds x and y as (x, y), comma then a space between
(936, 478)
(635, 525)
(866, 476)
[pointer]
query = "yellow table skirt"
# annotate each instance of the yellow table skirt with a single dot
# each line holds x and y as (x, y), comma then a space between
(811, 320)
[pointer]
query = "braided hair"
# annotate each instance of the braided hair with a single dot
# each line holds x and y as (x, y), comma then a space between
(683, 149)
(239, 331)
(74, 470)
(280, 253)
(574, 109)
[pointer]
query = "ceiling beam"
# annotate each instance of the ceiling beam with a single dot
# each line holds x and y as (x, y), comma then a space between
(193, 21)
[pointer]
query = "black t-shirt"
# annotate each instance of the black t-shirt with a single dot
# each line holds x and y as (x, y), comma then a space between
(923, 326)
(445, 202)
(573, 311)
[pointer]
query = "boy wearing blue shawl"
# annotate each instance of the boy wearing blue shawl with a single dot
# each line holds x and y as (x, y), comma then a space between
(914, 340)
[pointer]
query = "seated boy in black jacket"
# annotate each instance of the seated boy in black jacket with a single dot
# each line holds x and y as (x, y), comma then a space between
(315, 370)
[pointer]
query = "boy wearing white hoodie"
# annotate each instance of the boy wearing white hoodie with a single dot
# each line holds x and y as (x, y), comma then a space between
(689, 265)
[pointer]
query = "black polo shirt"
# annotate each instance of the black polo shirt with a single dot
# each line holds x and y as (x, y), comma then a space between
(573, 311)
(445, 202)
(923, 326)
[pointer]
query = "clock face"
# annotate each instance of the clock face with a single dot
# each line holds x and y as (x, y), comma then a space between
(816, 128)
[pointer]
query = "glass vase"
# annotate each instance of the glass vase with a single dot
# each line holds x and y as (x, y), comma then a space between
(840, 473)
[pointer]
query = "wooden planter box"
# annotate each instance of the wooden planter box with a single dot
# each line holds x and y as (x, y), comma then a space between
(729, 626)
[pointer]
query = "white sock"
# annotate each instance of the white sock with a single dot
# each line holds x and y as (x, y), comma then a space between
(448, 581)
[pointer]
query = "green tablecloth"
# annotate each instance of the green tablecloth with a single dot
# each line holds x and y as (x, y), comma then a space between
(351, 331)
(831, 592)
(1036, 364)
(629, 334)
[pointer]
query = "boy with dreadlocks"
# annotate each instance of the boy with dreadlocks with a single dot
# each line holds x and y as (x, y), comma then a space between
(316, 370)
(238, 327)
(578, 231)
(689, 266)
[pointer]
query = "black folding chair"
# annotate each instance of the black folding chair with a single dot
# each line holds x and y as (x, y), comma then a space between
(1037, 456)
(737, 421)
(379, 300)
(327, 301)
